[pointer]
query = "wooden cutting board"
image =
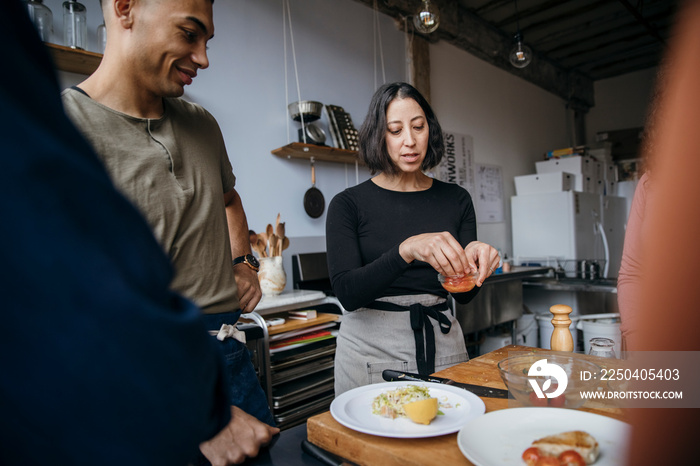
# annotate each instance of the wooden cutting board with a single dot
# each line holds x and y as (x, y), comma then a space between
(364, 449)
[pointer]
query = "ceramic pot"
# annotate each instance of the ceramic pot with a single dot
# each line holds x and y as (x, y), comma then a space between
(272, 276)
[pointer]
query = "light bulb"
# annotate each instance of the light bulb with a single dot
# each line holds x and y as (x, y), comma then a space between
(521, 54)
(427, 19)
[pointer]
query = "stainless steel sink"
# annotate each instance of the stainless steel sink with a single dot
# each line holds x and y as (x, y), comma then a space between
(585, 296)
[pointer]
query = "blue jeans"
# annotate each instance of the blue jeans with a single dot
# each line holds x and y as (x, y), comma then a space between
(244, 387)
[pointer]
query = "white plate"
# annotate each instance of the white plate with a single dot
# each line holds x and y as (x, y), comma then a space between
(353, 409)
(499, 438)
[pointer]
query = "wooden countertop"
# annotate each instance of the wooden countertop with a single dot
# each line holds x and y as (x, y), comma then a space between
(365, 449)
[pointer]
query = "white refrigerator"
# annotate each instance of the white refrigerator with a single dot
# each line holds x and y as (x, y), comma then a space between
(569, 226)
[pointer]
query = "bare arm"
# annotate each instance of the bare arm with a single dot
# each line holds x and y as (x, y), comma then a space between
(249, 293)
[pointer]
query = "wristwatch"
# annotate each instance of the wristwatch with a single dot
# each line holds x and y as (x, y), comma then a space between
(248, 260)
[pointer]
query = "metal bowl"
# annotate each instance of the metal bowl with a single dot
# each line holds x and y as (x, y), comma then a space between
(309, 108)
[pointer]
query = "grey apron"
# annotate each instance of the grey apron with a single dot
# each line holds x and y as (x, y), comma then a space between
(372, 340)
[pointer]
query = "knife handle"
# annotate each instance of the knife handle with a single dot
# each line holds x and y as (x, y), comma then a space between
(391, 376)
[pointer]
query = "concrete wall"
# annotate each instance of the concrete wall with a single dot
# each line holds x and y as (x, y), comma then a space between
(621, 102)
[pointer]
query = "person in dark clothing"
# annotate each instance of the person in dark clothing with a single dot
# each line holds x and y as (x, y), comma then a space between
(101, 362)
(388, 238)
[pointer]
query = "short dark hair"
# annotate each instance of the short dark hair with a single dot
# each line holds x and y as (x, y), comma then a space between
(372, 134)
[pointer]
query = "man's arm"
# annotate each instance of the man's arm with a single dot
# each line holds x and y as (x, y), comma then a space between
(242, 438)
(249, 293)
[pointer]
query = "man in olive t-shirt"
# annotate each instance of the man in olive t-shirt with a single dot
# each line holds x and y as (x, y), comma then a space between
(167, 156)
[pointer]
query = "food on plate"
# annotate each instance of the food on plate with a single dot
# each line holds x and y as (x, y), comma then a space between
(573, 448)
(392, 403)
(531, 455)
(422, 411)
(571, 458)
(581, 442)
(458, 283)
(547, 461)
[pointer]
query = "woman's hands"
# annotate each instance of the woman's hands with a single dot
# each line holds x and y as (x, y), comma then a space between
(441, 250)
(482, 257)
(446, 255)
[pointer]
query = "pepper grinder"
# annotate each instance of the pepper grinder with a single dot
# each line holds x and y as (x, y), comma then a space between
(561, 336)
(75, 25)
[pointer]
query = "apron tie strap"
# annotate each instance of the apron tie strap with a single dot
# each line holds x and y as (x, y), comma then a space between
(420, 319)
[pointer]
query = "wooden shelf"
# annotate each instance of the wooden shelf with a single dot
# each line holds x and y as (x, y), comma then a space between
(74, 60)
(298, 150)
(293, 324)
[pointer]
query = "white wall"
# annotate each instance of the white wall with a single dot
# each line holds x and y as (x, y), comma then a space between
(244, 88)
(512, 121)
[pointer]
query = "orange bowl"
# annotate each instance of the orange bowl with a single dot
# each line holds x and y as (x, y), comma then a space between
(458, 283)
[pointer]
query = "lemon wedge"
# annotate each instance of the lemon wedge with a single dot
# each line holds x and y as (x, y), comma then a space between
(422, 411)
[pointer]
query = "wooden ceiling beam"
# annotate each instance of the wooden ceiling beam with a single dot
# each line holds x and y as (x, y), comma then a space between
(593, 37)
(647, 25)
(522, 15)
(465, 30)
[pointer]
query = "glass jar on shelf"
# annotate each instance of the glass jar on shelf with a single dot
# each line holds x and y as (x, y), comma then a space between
(42, 18)
(75, 25)
(101, 38)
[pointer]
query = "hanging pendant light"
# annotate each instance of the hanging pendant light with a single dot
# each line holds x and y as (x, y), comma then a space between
(427, 18)
(520, 55)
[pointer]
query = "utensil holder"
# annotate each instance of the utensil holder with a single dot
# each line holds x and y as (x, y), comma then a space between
(272, 276)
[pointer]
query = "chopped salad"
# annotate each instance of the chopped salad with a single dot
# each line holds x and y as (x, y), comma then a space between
(390, 403)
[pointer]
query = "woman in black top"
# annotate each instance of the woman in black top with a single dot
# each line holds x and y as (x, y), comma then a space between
(388, 238)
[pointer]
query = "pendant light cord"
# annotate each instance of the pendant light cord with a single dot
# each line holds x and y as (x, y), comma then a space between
(377, 39)
(286, 11)
(284, 58)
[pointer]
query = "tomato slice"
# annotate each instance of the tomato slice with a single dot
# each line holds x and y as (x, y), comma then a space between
(535, 401)
(558, 402)
(531, 455)
(571, 458)
(547, 461)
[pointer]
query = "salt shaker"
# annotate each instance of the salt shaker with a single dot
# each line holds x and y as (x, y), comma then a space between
(602, 347)
(42, 18)
(75, 25)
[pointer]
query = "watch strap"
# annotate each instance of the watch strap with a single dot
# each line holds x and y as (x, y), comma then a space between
(244, 260)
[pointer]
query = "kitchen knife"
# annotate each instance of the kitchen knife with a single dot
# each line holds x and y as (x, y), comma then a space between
(478, 390)
(322, 455)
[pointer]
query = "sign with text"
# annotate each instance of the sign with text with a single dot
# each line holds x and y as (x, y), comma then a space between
(457, 165)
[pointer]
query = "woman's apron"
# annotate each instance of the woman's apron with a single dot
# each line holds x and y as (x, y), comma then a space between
(400, 333)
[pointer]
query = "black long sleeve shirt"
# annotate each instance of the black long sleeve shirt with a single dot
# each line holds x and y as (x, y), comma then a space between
(365, 226)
